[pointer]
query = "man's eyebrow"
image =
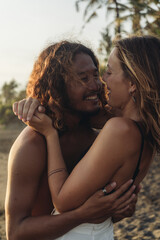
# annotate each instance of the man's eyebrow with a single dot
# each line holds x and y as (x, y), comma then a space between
(82, 73)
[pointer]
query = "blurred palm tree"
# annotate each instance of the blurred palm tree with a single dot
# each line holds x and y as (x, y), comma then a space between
(153, 17)
(143, 16)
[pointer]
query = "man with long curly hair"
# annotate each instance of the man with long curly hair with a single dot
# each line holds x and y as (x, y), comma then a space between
(65, 80)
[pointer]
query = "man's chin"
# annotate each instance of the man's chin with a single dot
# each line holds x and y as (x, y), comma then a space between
(87, 113)
(91, 112)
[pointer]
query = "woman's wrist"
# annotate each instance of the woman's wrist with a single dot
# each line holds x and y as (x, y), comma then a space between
(51, 132)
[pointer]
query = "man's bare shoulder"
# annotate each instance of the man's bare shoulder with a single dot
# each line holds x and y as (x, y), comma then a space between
(28, 136)
(29, 147)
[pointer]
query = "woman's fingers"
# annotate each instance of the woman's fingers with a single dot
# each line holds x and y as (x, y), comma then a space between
(26, 108)
(34, 105)
(41, 109)
(20, 108)
(29, 108)
(15, 107)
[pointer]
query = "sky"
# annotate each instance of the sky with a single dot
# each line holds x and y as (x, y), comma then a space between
(28, 26)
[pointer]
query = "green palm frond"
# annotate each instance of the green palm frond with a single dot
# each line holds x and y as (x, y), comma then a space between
(144, 15)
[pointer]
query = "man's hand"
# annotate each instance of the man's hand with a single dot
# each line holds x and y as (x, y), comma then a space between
(100, 207)
(130, 210)
(26, 108)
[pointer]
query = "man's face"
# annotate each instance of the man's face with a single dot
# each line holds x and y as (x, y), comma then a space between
(84, 96)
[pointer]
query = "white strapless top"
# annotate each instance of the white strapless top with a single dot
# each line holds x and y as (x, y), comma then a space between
(89, 231)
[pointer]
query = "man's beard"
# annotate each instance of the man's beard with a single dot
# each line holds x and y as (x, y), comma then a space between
(84, 115)
(81, 113)
(89, 113)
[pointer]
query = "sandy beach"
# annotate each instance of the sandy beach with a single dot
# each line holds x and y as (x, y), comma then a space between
(145, 224)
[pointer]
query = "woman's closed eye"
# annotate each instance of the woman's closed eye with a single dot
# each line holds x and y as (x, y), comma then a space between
(108, 72)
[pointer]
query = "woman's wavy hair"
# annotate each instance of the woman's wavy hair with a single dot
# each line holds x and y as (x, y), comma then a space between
(52, 70)
(140, 61)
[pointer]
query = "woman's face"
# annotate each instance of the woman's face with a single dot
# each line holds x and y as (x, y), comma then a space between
(117, 84)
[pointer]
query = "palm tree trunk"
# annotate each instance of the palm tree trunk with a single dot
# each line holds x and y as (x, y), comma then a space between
(118, 25)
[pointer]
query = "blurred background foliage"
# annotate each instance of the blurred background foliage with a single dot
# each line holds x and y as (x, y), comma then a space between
(123, 18)
(9, 93)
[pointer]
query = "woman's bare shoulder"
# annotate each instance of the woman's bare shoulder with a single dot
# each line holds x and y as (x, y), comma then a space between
(123, 130)
(121, 125)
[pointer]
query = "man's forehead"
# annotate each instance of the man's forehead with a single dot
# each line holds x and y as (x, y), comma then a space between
(82, 63)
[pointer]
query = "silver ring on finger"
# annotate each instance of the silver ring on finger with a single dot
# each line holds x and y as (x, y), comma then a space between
(104, 192)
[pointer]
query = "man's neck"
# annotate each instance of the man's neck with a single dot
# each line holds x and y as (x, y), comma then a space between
(74, 121)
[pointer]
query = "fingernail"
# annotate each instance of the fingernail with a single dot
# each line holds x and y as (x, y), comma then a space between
(134, 186)
(28, 119)
(133, 195)
(113, 184)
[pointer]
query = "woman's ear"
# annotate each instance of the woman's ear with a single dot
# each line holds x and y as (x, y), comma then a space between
(132, 88)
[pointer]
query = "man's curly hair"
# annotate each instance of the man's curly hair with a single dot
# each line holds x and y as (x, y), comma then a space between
(52, 70)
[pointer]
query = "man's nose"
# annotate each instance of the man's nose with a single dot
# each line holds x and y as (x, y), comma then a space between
(95, 84)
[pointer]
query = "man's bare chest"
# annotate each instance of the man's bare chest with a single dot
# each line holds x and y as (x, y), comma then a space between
(75, 147)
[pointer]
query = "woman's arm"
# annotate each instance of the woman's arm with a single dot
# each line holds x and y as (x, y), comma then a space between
(96, 168)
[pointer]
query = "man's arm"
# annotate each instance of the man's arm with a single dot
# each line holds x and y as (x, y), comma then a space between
(27, 162)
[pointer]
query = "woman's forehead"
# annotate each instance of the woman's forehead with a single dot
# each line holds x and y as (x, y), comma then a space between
(113, 60)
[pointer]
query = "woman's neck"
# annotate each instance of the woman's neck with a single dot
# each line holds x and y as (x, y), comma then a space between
(129, 111)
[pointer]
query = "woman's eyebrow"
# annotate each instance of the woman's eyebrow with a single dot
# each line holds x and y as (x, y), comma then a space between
(108, 66)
